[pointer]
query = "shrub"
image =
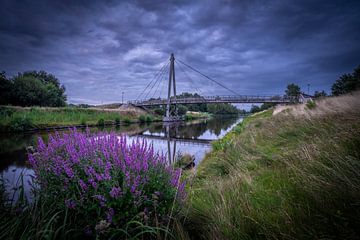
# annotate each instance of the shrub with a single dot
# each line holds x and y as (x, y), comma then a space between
(117, 120)
(105, 183)
(310, 104)
(159, 111)
(149, 118)
(127, 121)
(19, 124)
(142, 118)
(188, 117)
(83, 122)
(6, 112)
(101, 122)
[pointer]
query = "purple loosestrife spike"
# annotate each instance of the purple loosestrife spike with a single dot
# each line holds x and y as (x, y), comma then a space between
(68, 170)
(92, 183)
(83, 185)
(110, 214)
(115, 192)
(101, 200)
(98, 177)
(70, 204)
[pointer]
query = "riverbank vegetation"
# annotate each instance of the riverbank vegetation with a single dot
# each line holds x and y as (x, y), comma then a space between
(22, 119)
(288, 173)
(197, 115)
(95, 186)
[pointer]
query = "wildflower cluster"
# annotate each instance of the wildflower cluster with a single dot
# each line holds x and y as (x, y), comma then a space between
(104, 181)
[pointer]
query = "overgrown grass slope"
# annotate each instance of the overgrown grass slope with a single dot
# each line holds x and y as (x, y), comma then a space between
(292, 173)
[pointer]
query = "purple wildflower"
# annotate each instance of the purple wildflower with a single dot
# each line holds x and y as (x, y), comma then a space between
(70, 204)
(109, 214)
(115, 192)
(88, 231)
(83, 185)
(101, 200)
(92, 183)
(93, 162)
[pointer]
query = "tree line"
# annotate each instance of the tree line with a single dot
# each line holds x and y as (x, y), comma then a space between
(32, 88)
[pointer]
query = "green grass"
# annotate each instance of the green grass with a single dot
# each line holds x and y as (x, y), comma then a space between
(196, 115)
(280, 177)
(311, 104)
(19, 119)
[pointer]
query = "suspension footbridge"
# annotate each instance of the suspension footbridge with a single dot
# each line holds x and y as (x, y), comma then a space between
(172, 98)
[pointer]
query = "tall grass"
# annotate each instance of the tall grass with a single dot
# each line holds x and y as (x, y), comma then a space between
(19, 119)
(288, 176)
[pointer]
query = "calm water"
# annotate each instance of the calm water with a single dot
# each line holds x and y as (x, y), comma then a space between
(171, 139)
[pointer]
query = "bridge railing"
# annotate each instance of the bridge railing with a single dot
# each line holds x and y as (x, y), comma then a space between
(219, 98)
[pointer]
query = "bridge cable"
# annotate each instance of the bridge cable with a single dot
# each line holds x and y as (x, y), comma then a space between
(220, 84)
(164, 83)
(191, 80)
(156, 74)
(160, 82)
(157, 79)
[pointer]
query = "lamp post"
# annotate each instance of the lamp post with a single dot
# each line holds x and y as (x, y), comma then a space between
(122, 98)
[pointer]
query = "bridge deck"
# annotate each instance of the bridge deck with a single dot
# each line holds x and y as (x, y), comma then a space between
(217, 99)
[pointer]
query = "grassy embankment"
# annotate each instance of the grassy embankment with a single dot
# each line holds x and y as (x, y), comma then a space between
(197, 115)
(20, 119)
(293, 174)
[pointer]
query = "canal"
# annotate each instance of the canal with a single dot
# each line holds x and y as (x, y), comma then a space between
(171, 139)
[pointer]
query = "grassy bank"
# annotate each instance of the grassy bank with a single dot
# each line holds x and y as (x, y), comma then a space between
(19, 119)
(197, 115)
(284, 174)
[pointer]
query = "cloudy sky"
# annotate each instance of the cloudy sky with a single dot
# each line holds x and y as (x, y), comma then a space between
(99, 49)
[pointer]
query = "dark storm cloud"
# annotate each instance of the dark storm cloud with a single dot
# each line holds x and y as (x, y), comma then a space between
(100, 48)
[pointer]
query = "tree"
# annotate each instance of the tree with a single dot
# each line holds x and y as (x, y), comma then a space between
(265, 106)
(255, 109)
(182, 109)
(5, 88)
(318, 94)
(222, 108)
(347, 83)
(292, 90)
(199, 107)
(28, 91)
(56, 92)
(32, 88)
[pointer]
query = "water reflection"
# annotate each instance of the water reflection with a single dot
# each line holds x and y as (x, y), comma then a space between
(171, 139)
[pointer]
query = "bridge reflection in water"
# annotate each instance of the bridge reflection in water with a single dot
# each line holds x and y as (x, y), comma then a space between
(194, 138)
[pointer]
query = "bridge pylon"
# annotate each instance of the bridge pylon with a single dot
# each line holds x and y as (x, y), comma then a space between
(168, 117)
